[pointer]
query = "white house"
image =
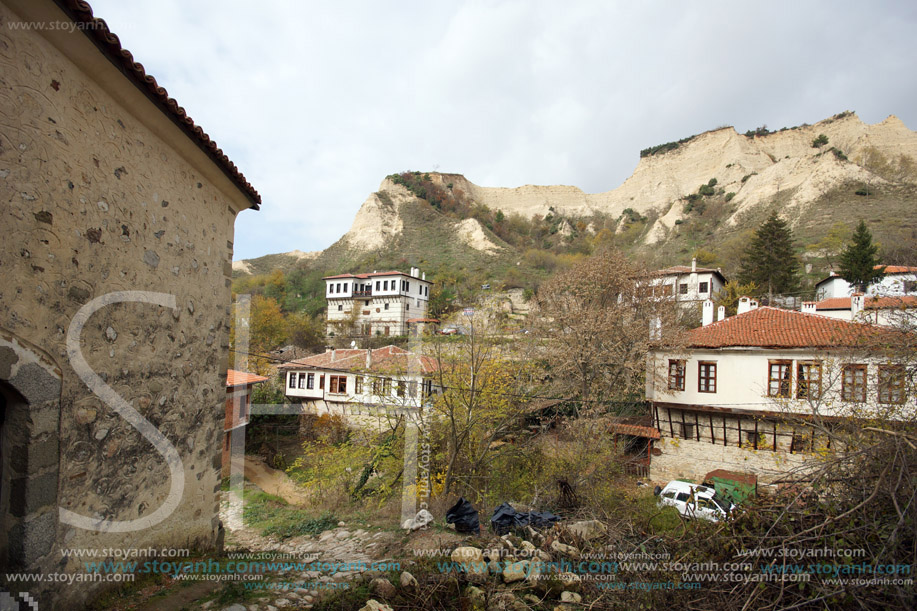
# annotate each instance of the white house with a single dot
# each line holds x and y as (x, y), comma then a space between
(738, 396)
(380, 303)
(359, 382)
(898, 311)
(898, 280)
(688, 284)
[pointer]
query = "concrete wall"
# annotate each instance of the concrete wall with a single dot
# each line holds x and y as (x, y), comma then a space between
(96, 201)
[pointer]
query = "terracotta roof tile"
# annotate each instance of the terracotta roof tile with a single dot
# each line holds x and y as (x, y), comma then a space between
(242, 378)
(769, 327)
(364, 276)
(108, 43)
(637, 431)
(390, 359)
(872, 303)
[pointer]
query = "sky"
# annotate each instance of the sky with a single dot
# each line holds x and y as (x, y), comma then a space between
(316, 102)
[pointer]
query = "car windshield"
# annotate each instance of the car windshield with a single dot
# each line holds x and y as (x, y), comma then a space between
(721, 502)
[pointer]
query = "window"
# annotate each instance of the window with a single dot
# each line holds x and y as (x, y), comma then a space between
(853, 384)
(420, 289)
(427, 388)
(387, 386)
(339, 287)
(400, 389)
(891, 384)
(310, 381)
(702, 287)
(340, 308)
(910, 286)
(292, 380)
(321, 382)
(337, 384)
(367, 302)
(377, 285)
(407, 307)
(676, 374)
(808, 380)
(412, 389)
(706, 377)
(377, 386)
(385, 285)
(242, 402)
(779, 378)
(358, 385)
(386, 306)
(683, 288)
(345, 287)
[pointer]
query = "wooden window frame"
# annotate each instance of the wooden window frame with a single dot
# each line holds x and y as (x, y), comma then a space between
(682, 288)
(849, 388)
(293, 378)
(676, 379)
(358, 385)
(703, 287)
(891, 380)
(387, 387)
(711, 379)
(784, 384)
(337, 384)
(377, 386)
(401, 389)
(310, 381)
(808, 386)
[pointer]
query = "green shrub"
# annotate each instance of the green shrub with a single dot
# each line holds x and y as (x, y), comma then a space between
(838, 153)
(820, 141)
(747, 176)
(730, 195)
(706, 190)
(711, 182)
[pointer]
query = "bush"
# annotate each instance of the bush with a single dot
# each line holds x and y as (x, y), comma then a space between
(730, 195)
(838, 153)
(820, 141)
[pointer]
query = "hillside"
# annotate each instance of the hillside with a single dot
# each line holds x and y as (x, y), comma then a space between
(702, 195)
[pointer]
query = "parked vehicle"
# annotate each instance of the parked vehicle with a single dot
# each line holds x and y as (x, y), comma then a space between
(694, 501)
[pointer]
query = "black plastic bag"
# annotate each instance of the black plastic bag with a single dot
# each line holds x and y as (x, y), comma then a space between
(505, 519)
(464, 516)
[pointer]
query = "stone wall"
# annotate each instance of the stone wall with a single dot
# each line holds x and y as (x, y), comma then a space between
(689, 459)
(95, 202)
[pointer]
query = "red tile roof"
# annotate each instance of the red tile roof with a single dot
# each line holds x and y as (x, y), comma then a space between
(390, 359)
(365, 276)
(768, 327)
(637, 431)
(899, 269)
(242, 378)
(685, 269)
(872, 303)
(108, 43)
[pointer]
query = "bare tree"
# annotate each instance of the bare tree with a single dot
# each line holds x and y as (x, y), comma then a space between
(596, 322)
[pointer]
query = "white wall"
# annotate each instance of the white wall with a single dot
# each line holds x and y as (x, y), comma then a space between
(742, 380)
(351, 396)
(891, 285)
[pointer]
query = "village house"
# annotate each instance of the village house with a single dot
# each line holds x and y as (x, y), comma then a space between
(897, 281)
(362, 385)
(380, 303)
(690, 285)
(897, 311)
(118, 216)
(739, 395)
(239, 385)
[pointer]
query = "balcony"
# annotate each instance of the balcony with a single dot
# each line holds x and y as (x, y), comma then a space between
(366, 293)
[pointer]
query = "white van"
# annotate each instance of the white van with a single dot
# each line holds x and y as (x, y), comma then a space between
(694, 501)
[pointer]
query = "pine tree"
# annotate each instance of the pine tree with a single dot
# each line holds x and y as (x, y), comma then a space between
(770, 260)
(859, 261)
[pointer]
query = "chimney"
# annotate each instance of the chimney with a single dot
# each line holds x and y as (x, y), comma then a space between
(332, 355)
(720, 313)
(369, 358)
(693, 265)
(857, 303)
(808, 307)
(423, 276)
(707, 312)
(746, 304)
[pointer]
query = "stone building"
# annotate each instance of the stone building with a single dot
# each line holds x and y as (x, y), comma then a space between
(380, 303)
(118, 214)
(746, 391)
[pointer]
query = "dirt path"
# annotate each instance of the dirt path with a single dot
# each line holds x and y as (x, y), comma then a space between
(273, 481)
